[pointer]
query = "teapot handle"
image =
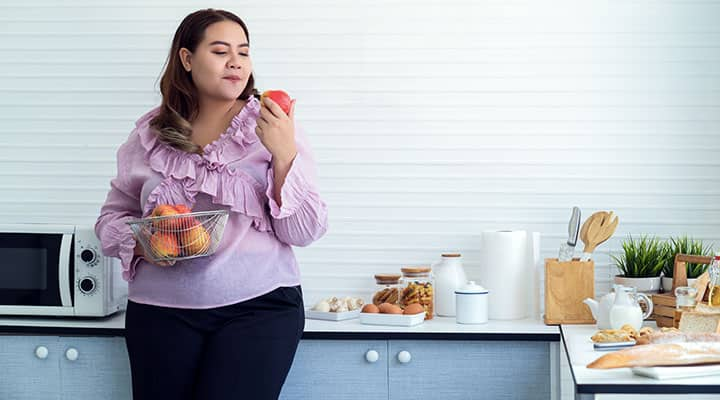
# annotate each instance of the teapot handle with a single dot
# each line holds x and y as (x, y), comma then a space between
(648, 303)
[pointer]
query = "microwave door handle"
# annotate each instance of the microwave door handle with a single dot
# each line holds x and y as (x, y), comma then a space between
(64, 272)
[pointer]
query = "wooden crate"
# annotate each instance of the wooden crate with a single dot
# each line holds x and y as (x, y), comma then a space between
(664, 311)
(567, 284)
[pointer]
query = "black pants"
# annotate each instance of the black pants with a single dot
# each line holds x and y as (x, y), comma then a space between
(239, 351)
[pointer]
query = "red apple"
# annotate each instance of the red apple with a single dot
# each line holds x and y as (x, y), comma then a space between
(172, 224)
(279, 97)
(164, 244)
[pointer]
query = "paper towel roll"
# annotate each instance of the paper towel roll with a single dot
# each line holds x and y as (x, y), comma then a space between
(536, 265)
(506, 272)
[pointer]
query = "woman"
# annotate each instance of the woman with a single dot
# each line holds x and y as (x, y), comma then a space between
(226, 325)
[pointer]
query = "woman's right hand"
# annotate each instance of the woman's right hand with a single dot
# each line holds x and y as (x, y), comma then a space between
(140, 251)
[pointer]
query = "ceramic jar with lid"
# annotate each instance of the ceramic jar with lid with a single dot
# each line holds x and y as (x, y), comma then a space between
(449, 275)
(418, 285)
(471, 304)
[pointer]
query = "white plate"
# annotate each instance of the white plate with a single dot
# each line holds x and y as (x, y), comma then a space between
(392, 319)
(610, 346)
(331, 316)
(689, 371)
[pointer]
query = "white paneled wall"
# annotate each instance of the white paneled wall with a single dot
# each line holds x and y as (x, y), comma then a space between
(431, 121)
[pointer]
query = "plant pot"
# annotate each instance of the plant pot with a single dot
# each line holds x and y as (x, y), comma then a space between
(667, 283)
(645, 285)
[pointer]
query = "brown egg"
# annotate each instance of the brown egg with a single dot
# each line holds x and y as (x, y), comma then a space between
(387, 308)
(370, 308)
(383, 307)
(414, 308)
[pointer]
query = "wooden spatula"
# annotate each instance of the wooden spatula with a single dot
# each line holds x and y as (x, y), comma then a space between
(600, 227)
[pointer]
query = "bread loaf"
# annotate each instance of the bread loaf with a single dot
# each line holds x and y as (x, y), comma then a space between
(677, 337)
(692, 321)
(652, 355)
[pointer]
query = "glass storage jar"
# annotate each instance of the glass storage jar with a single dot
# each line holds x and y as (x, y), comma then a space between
(387, 289)
(417, 285)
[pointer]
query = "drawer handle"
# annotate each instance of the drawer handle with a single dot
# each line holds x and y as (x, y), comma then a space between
(71, 354)
(41, 352)
(404, 357)
(372, 356)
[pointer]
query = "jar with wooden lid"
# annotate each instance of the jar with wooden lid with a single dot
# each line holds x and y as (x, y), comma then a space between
(417, 285)
(387, 289)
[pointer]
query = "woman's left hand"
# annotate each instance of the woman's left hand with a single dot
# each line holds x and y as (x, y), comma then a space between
(276, 130)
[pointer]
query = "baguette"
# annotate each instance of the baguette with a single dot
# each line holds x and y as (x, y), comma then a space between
(652, 355)
(677, 337)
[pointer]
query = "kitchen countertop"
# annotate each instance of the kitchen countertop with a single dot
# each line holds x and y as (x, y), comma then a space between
(440, 328)
(621, 380)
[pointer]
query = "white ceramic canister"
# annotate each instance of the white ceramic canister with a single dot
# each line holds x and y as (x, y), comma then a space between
(471, 302)
(449, 276)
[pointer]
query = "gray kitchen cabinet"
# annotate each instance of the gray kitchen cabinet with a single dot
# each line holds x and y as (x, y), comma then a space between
(448, 370)
(29, 368)
(94, 368)
(338, 370)
(55, 368)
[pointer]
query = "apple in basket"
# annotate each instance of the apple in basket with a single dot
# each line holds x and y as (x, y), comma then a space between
(164, 244)
(172, 224)
(195, 240)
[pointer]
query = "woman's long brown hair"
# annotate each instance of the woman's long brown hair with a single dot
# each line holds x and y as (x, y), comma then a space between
(179, 94)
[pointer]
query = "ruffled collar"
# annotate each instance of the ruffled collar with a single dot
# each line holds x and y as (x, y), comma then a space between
(236, 132)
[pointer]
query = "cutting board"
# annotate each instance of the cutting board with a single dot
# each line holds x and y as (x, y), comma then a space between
(677, 372)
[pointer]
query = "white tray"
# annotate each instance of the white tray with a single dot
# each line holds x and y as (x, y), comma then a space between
(331, 316)
(677, 372)
(392, 319)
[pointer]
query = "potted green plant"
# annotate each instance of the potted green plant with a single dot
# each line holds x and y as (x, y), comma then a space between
(684, 245)
(641, 263)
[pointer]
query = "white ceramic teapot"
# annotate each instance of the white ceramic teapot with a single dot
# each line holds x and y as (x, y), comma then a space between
(625, 308)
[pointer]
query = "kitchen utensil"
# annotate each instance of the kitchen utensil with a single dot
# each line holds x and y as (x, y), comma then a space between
(600, 227)
(449, 276)
(567, 248)
(567, 284)
(471, 304)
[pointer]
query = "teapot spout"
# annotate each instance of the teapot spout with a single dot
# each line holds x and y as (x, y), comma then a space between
(594, 307)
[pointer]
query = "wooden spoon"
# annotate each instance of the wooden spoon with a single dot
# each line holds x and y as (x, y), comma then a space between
(599, 231)
(586, 225)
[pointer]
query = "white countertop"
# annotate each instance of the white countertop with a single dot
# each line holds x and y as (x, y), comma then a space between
(581, 353)
(438, 325)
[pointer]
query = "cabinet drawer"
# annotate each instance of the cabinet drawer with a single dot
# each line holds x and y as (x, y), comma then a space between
(29, 367)
(94, 368)
(338, 369)
(469, 369)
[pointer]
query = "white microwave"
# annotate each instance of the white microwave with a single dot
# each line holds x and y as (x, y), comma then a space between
(57, 270)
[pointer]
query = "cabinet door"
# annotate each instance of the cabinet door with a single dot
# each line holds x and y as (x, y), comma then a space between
(29, 367)
(94, 368)
(469, 370)
(337, 370)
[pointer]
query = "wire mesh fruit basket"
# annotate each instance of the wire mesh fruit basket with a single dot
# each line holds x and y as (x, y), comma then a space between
(180, 236)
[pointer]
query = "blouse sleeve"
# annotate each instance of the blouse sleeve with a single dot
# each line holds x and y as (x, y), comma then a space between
(121, 205)
(302, 218)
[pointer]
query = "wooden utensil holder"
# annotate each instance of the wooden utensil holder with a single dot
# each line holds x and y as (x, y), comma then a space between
(665, 312)
(567, 284)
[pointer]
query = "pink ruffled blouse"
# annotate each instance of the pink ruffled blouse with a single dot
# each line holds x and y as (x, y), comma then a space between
(233, 173)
